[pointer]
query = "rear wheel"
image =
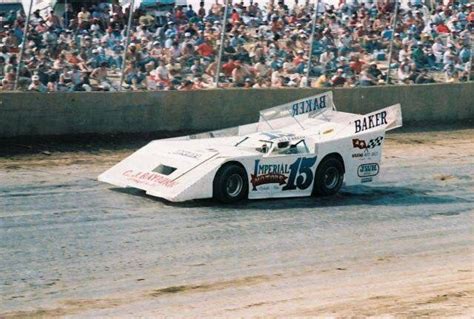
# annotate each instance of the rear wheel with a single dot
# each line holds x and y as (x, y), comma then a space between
(329, 177)
(230, 184)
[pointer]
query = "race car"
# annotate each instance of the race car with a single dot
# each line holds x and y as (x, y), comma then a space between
(302, 148)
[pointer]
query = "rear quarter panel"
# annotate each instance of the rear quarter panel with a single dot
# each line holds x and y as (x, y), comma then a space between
(363, 157)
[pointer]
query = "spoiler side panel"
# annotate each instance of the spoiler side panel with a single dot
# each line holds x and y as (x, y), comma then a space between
(388, 118)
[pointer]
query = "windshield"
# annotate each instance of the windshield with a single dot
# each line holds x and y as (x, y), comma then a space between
(278, 146)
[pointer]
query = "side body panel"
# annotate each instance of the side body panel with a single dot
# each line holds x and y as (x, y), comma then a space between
(364, 157)
(281, 175)
(361, 155)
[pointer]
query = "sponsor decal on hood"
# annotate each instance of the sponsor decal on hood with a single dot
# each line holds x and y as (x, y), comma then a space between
(148, 178)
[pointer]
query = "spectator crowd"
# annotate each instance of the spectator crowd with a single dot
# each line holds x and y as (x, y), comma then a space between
(266, 45)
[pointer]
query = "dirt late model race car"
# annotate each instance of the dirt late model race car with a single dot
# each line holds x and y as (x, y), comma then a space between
(300, 148)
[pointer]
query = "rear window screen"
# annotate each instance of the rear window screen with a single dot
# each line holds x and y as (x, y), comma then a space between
(164, 169)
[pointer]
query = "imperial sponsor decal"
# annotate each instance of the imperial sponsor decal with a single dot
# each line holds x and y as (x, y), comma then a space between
(308, 105)
(148, 178)
(268, 174)
(366, 170)
(295, 175)
(370, 121)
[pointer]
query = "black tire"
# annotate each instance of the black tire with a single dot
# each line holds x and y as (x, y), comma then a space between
(230, 184)
(329, 177)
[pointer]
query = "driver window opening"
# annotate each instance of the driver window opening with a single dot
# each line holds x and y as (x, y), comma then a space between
(288, 148)
(265, 148)
(301, 147)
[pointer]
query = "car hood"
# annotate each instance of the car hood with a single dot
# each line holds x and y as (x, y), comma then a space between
(168, 168)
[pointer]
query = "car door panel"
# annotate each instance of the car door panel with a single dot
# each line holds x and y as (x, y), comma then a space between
(282, 176)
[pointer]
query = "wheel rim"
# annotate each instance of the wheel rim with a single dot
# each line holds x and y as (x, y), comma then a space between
(331, 177)
(234, 185)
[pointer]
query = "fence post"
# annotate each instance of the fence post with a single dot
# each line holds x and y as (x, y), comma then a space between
(22, 49)
(221, 48)
(469, 76)
(127, 42)
(391, 42)
(310, 54)
(66, 21)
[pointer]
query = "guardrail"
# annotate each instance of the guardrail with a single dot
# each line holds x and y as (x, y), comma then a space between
(40, 114)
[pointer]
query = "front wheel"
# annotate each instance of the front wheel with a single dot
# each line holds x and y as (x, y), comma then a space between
(329, 177)
(230, 184)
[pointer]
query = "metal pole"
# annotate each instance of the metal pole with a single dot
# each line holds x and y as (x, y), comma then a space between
(66, 22)
(469, 75)
(313, 28)
(391, 42)
(22, 49)
(129, 27)
(221, 48)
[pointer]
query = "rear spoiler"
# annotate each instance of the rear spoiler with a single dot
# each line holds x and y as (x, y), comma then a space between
(312, 105)
(277, 116)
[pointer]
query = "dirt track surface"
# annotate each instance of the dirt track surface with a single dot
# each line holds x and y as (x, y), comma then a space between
(71, 246)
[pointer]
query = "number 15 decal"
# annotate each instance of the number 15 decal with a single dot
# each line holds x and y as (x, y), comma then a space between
(301, 175)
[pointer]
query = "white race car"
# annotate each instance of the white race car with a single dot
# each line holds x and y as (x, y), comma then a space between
(300, 148)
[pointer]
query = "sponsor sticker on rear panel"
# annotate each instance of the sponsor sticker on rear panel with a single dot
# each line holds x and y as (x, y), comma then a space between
(366, 170)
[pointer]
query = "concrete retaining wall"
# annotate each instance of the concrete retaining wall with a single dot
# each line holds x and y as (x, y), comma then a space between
(36, 114)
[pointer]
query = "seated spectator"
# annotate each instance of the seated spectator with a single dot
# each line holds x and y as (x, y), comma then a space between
(2, 67)
(418, 56)
(228, 67)
(100, 74)
(322, 81)
(84, 18)
(356, 65)
(424, 78)
(465, 54)
(8, 82)
(187, 85)
(405, 71)
(338, 79)
(442, 28)
(205, 49)
(366, 79)
(374, 71)
(77, 81)
(162, 74)
(60, 63)
(133, 76)
(239, 74)
(36, 85)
